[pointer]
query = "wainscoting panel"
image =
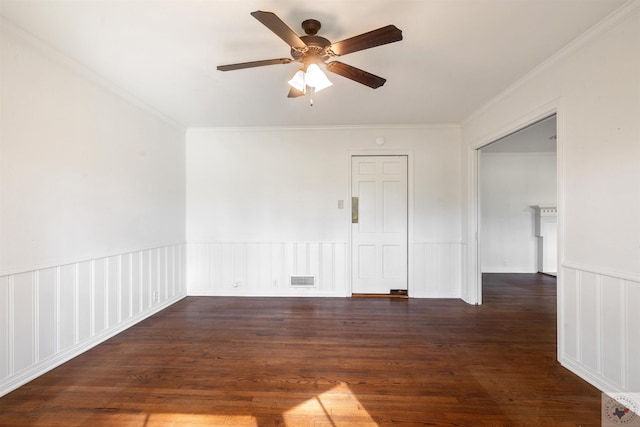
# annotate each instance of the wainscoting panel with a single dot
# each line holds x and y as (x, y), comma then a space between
(47, 310)
(437, 270)
(4, 326)
(84, 302)
(21, 321)
(569, 313)
(612, 328)
(631, 336)
(99, 287)
(590, 332)
(67, 296)
(50, 315)
(265, 268)
(599, 318)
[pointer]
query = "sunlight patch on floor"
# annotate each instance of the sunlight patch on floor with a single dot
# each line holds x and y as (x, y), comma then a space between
(338, 407)
(181, 420)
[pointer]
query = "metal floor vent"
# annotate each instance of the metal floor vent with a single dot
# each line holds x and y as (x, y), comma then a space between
(303, 281)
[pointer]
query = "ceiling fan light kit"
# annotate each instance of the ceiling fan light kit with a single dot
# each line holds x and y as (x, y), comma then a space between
(313, 77)
(312, 50)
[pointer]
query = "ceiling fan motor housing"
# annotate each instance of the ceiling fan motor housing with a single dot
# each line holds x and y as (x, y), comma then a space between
(317, 49)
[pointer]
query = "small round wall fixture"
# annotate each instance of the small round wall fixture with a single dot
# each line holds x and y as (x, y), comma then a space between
(380, 140)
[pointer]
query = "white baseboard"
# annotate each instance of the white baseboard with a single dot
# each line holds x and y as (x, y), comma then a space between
(435, 294)
(586, 374)
(282, 293)
(516, 270)
(44, 366)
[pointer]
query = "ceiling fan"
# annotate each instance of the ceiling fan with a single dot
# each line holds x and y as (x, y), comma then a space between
(311, 50)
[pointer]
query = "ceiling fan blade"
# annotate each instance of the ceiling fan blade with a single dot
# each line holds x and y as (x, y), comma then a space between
(252, 64)
(356, 74)
(282, 30)
(294, 93)
(384, 35)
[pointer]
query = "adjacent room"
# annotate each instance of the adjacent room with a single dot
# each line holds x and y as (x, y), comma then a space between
(329, 213)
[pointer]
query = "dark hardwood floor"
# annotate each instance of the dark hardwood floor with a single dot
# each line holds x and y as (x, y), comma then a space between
(324, 362)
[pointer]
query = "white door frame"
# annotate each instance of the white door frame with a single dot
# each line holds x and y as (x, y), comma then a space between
(473, 266)
(383, 152)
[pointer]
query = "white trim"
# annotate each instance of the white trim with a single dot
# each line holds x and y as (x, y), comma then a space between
(92, 298)
(4, 313)
(105, 293)
(625, 334)
(58, 310)
(34, 371)
(141, 279)
(586, 374)
(280, 292)
(560, 212)
(61, 58)
(441, 294)
(119, 288)
(599, 325)
(578, 314)
(35, 338)
(92, 257)
(437, 242)
(536, 115)
(474, 276)
(517, 154)
(322, 128)
(410, 208)
(130, 279)
(278, 242)
(575, 362)
(107, 296)
(76, 303)
(471, 275)
(631, 277)
(11, 335)
(502, 269)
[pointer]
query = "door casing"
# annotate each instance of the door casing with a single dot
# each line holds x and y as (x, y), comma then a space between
(410, 216)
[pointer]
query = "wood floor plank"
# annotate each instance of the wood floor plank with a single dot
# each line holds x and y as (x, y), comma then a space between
(323, 362)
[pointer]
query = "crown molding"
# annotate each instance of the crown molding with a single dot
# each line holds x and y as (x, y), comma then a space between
(21, 35)
(602, 27)
(452, 126)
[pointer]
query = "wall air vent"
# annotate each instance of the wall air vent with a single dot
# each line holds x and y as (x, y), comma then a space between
(303, 281)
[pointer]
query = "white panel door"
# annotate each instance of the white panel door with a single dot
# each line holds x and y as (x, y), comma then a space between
(379, 224)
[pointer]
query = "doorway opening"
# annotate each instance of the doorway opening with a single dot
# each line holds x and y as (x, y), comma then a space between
(518, 203)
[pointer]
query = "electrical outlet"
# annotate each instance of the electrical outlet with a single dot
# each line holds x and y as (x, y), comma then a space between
(236, 284)
(155, 296)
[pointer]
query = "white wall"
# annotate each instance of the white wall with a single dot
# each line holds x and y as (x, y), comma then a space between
(85, 173)
(594, 85)
(92, 209)
(510, 184)
(263, 204)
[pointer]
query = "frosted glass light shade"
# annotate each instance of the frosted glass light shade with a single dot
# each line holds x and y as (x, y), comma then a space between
(298, 81)
(316, 78)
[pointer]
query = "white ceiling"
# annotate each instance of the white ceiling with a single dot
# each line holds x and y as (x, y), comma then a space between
(456, 54)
